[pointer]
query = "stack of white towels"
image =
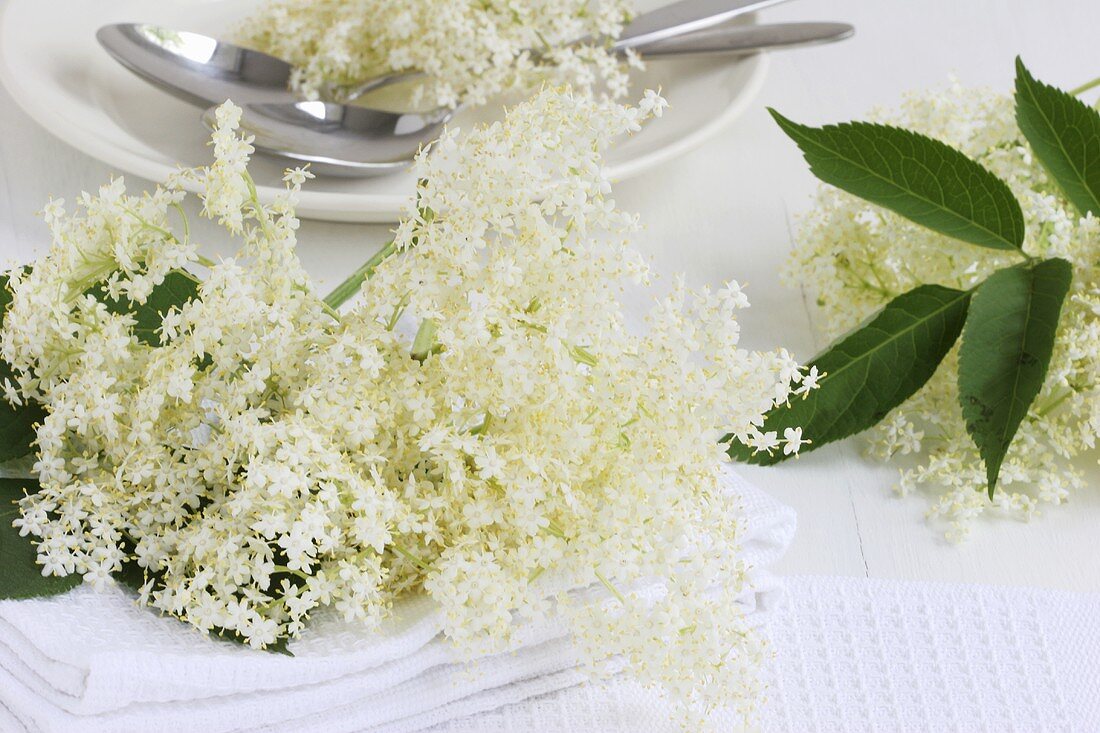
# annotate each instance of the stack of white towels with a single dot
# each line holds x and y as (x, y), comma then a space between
(95, 662)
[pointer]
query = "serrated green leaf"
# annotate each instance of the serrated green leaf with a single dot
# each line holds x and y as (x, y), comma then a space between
(20, 574)
(16, 423)
(1006, 347)
(872, 370)
(1064, 132)
(922, 179)
(176, 289)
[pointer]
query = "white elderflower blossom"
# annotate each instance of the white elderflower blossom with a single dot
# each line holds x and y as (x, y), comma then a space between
(479, 419)
(855, 257)
(468, 49)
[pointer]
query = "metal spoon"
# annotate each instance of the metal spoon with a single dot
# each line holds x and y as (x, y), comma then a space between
(205, 70)
(356, 142)
(197, 68)
(748, 39)
(338, 139)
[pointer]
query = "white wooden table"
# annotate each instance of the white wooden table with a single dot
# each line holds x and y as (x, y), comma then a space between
(725, 213)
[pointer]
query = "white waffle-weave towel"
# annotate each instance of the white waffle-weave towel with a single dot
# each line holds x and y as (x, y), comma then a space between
(95, 662)
(856, 655)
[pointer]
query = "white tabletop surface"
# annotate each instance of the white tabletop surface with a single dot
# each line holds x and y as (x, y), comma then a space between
(726, 212)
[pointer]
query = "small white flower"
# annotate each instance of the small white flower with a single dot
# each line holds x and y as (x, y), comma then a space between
(792, 441)
(765, 442)
(810, 380)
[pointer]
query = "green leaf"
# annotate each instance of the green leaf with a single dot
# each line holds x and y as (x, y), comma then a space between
(1005, 352)
(176, 290)
(20, 574)
(17, 431)
(1064, 132)
(872, 370)
(920, 178)
(131, 576)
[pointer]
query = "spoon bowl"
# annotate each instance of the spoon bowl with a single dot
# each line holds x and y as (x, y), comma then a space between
(198, 69)
(337, 139)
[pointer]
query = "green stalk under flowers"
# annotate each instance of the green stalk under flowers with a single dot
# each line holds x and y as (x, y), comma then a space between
(1085, 87)
(425, 339)
(347, 289)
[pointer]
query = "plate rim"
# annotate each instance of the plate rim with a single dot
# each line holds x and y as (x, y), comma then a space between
(337, 206)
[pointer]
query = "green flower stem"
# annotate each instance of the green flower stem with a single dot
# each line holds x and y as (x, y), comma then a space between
(1055, 403)
(347, 289)
(190, 276)
(410, 557)
(611, 588)
(398, 310)
(582, 355)
(288, 571)
(184, 220)
(202, 260)
(484, 426)
(1085, 87)
(425, 339)
(555, 530)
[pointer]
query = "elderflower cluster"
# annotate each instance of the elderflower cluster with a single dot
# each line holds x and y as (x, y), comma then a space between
(468, 50)
(854, 257)
(480, 424)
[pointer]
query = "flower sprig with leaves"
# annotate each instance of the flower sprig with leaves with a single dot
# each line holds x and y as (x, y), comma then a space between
(1007, 313)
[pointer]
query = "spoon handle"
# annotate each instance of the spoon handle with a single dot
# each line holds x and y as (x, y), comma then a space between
(684, 17)
(745, 39)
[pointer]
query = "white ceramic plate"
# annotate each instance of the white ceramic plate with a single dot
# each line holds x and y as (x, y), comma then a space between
(52, 65)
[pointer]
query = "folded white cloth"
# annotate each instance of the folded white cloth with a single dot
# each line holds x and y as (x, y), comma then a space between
(96, 662)
(889, 656)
